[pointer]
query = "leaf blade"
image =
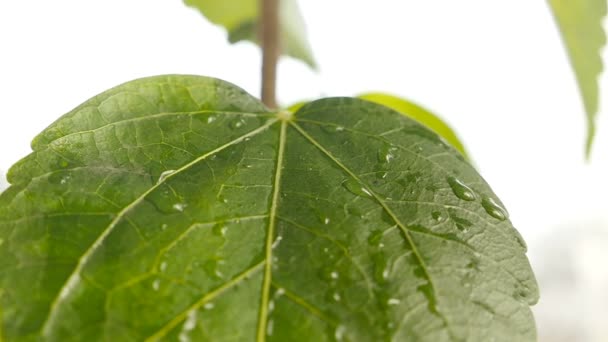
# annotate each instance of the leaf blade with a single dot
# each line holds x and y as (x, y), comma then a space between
(580, 24)
(240, 17)
(420, 114)
(271, 227)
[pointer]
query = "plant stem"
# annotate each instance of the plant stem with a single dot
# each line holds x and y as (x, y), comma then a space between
(269, 37)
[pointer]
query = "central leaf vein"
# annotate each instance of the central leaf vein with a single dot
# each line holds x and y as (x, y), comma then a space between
(263, 313)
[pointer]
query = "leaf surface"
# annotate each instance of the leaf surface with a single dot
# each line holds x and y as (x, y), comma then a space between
(240, 17)
(180, 208)
(580, 23)
(419, 114)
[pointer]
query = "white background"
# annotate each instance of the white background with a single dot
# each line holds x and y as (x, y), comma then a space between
(495, 70)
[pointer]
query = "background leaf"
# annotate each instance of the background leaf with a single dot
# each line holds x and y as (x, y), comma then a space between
(580, 23)
(178, 207)
(419, 114)
(239, 17)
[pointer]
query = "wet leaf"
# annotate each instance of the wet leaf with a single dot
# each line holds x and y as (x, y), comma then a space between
(180, 208)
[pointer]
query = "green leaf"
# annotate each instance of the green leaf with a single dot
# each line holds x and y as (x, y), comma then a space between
(580, 23)
(419, 114)
(240, 17)
(179, 207)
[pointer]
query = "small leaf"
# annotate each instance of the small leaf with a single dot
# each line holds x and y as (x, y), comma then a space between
(240, 17)
(580, 23)
(180, 208)
(419, 114)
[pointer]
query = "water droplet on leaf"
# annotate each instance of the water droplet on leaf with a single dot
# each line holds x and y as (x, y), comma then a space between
(164, 175)
(494, 209)
(461, 190)
(357, 188)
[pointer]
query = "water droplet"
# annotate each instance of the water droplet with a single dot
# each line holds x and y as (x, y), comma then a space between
(326, 220)
(336, 296)
(381, 174)
(386, 154)
(438, 216)
(189, 325)
(1, 241)
(393, 301)
(356, 188)
(65, 180)
(270, 306)
(494, 209)
(210, 119)
(462, 224)
(339, 128)
(380, 267)
(334, 275)
(211, 267)
(164, 175)
(339, 333)
(156, 284)
(164, 226)
(461, 190)
(179, 206)
(219, 229)
(208, 306)
(163, 266)
(269, 327)
(238, 123)
(276, 242)
(375, 237)
(280, 292)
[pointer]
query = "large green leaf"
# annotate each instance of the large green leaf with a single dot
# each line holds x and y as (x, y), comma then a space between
(419, 114)
(180, 208)
(580, 23)
(240, 17)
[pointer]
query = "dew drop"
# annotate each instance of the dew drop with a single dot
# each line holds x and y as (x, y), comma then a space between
(339, 333)
(380, 267)
(339, 128)
(163, 266)
(438, 216)
(269, 327)
(461, 190)
(65, 180)
(238, 123)
(210, 119)
(208, 306)
(336, 296)
(164, 226)
(494, 209)
(386, 154)
(393, 301)
(219, 229)
(156, 284)
(357, 188)
(164, 175)
(334, 275)
(326, 220)
(381, 174)
(179, 206)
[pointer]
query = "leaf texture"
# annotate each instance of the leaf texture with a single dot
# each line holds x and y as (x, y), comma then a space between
(419, 114)
(180, 208)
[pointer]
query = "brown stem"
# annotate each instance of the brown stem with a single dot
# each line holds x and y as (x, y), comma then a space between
(269, 37)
